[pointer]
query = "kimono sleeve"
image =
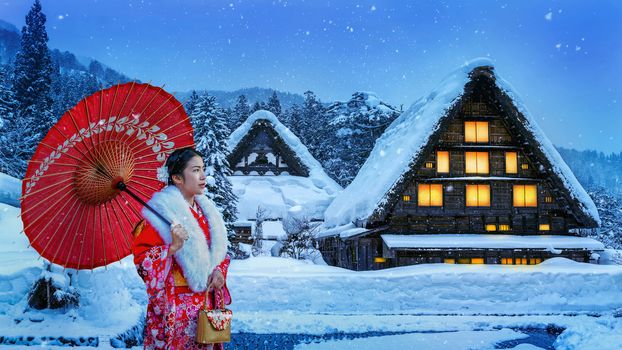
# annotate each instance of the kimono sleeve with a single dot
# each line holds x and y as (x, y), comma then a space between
(152, 259)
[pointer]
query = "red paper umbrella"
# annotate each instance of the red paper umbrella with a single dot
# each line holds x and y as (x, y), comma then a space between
(77, 205)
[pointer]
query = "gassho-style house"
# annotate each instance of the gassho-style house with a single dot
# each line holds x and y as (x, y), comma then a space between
(463, 176)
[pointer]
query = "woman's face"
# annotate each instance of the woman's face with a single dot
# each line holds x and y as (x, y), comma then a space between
(193, 180)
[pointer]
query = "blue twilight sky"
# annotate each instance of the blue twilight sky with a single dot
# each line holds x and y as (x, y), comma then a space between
(564, 57)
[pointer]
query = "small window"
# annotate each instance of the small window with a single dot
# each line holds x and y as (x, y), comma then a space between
(504, 227)
(380, 260)
(507, 261)
(442, 161)
(548, 199)
(491, 227)
(476, 132)
(478, 195)
(406, 198)
(449, 261)
(534, 261)
(476, 162)
(525, 195)
(524, 166)
(511, 162)
(545, 227)
(429, 165)
(477, 260)
(520, 261)
(464, 260)
(430, 195)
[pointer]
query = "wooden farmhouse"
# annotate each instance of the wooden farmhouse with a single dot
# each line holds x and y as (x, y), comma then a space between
(464, 176)
(274, 171)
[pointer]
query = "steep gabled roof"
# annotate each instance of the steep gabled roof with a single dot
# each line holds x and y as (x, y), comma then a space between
(399, 148)
(316, 172)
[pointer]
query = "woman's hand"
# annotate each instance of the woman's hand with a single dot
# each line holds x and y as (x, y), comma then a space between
(179, 237)
(217, 280)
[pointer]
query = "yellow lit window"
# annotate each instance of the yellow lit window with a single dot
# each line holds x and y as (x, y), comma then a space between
(548, 199)
(524, 166)
(406, 198)
(545, 227)
(504, 227)
(476, 131)
(476, 162)
(464, 260)
(379, 259)
(534, 261)
(525, 196)
(442, 161)
(429, 165)
(430, 195)
(511, 163)
(491, 227)
(478, 195)
(507, 261)
(477, 260)
(449, 261)
(520, 261)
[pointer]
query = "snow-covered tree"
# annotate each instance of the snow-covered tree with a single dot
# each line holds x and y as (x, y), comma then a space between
(211, 133)
(257, 237)
(274, 105)
(31, 86)
(240, 112)
(300, 242)
(33, 69)
(353, 128)
(610, 212)
(192, 102)
(313, 123)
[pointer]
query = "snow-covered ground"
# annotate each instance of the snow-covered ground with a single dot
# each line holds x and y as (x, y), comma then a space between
(450, 306)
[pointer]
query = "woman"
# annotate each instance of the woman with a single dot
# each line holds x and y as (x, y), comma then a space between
(178, 262)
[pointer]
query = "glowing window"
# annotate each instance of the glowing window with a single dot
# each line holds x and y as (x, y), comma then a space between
(477, 260)
(406, 198)
(507, 261)
(476, 131)
(504, 227)
(449, 261)
(476, 162)
(548, 199)
(430, 195)
(545, 227)
(464, 260)
(520, 261)
(478, 195)
(429, 165)
(525, 196)
(442, 161)
(524, 166)
(491, 227)
(534, 261)
(379, 259)
(511, 163)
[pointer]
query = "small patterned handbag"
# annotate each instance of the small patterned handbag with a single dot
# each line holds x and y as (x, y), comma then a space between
(214, 326)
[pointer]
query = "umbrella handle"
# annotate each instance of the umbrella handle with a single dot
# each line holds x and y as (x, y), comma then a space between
(123, 187)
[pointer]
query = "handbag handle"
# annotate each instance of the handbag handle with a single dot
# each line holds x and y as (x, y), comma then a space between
(222, 299)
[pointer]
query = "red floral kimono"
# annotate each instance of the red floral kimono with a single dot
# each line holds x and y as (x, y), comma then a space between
(172, 311)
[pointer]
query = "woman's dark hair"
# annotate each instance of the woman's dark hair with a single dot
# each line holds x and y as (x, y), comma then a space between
(178, 160)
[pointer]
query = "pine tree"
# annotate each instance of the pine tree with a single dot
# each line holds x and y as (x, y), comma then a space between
(32, 84)
(13, 140)
(312, 123)
(211, 134)
(274, 105)
(192, 102)
(240, 112)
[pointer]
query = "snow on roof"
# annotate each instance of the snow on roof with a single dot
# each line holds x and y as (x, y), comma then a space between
(344, 231)
(549, 242)
(404, 139)
(316, 173)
